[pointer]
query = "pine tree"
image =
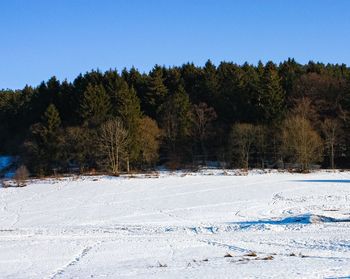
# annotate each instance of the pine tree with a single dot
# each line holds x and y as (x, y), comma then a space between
(156, 92)
(191, 76)
(261, 94)
(68, 104)
(209, 84)
(172, 79)
(231, 104)
(128, 110)
(250, 86)
(43, 150)
(177, 119)
(271, 97)
(95, 106)
(51, 119)
(289, 71)
(126, 106)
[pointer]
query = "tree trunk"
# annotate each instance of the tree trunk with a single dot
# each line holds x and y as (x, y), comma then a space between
(247, 161)
(127, 165)
(204, 152)
(332, 156)
(117, 161)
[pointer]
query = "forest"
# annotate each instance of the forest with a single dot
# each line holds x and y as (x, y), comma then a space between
(267, 115)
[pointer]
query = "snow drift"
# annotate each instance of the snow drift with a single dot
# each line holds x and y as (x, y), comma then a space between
(211, 224)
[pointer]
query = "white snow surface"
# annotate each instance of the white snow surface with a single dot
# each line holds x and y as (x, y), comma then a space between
(178, 225)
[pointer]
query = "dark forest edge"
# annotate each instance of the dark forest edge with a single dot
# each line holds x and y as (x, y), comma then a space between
(276, 116)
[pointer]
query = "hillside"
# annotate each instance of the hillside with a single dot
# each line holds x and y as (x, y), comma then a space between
(177, 225)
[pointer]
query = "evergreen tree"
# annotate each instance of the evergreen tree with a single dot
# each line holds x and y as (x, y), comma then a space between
(270, 100)
(209, 84)
(231, 104)
(173, 79)
(51, 121)
(177, 120)
(250, 86)
(95, 106)
(68, 104)
(261, 94)
(43, 150)
(130, 113)
(138, 81)
(80, 148)
(156, 92)
(191, 76)
(126, 106)
(289, 71)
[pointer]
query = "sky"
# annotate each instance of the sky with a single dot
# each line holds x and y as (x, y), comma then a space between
(44, 38)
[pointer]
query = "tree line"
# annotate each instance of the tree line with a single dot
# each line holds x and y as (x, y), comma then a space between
(264, 115)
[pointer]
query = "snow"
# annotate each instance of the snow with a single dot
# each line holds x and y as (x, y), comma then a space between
(211, 224)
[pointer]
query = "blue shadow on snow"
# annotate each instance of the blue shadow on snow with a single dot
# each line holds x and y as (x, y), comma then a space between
(324, 180)
(301, 219)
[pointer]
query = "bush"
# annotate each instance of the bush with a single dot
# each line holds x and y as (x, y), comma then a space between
(21, 176)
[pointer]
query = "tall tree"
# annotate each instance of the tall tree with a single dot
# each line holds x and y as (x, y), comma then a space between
(149, 136)
(80, 148)
(332, 132)
(51, 120)
(289, 72)
(113, 141)
(301, 142)
(242, 138)
(130, 113)
(270, 102)
(191, 76)
(95, 105)
(176, 120)
(261, 144)
(231, 104)
(126, 106)
(156, 92)
(202, 117)
(209, 84)
(43, 149)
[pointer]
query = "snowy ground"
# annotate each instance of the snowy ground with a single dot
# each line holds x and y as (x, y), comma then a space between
(273, 225)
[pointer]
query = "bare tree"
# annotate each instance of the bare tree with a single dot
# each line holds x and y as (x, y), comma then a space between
(261, 143)
(305, 109)
(114, 142)
(202, 117)
(331, 129)
(21, 176)
(242, 138)
(301, 142)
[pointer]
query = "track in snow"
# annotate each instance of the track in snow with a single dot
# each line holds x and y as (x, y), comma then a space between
(178, 226)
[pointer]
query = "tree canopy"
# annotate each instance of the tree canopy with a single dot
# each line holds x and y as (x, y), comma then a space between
(190, 112)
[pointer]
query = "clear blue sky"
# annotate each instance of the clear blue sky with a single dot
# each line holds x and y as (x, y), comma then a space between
(42, 38)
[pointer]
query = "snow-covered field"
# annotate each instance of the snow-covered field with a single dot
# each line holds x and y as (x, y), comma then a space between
(207, 225)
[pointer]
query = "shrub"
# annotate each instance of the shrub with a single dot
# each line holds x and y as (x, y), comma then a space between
(21, 176)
